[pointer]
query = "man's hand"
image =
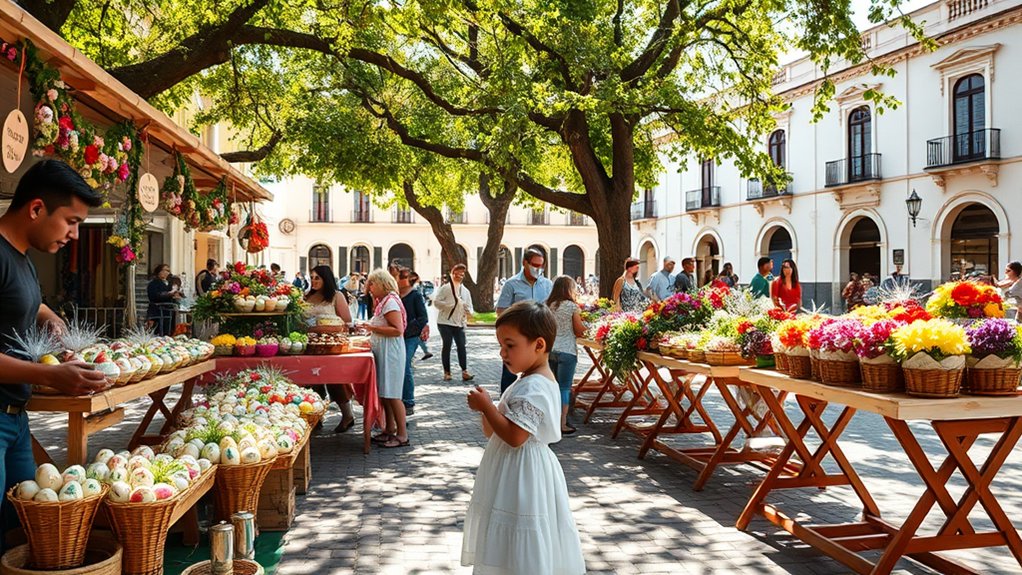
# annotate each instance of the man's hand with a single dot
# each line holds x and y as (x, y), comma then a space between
(479, 399)
(75, 378)
(424, 336)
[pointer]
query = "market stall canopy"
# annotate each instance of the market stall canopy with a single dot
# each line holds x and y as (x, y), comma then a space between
(105, 100)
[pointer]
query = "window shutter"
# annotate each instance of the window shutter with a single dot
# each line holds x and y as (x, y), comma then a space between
(303, 263)
(342, 261)
(378, 257)
(553, 262)
(518, 260)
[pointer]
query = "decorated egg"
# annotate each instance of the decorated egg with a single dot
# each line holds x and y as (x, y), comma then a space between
(211, 451)
(92, 487)
(246, 442)
(239, 410)
(141, 477)
(180, 481)
(137, 461)
(188, 449)
(231, 456)
(71, 491)
(97, 471)
(117, 461)
(74, 473)
(164, 491)
(173, 446)
(228, 442)
(120, 492)
(164, 458)
(104, 455)
(267, 449)
(117, 474)
(48, 477)
(125, 454)
(27, 490)
(144, 451)
(45, 495)
(250, 455)
(205, 464)
(198, 443)
(142, 494)
(285, 444)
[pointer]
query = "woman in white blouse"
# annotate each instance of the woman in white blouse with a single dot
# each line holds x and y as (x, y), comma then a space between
(453, 304)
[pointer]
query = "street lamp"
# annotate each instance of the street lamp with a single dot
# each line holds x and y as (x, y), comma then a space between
(914, 203)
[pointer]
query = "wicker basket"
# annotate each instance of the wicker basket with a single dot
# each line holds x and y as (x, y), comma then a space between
(683, 352)
(696, 355)
(781, 362)
(814, 367)
(799, 366)
(936, 383)
(839, 373)
(241, 567)
(57, 531)
(102, 557)
(727, 358)
(1001, 381)
(882, 377)
(237, 487)
(313, 419)
(142, 528)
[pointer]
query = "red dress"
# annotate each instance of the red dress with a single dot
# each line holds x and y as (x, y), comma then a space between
(791, 298)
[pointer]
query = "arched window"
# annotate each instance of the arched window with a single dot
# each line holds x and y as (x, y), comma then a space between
(319, 255)
(402, 255)
(360, 260)
(970, 118)
(776, 148)
(505, 267)
(574, 262)
(860, 143)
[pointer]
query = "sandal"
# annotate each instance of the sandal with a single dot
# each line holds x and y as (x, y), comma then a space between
(382, 438)
(342, 427)
(568, 431)
(466, 376)
(447, 377)
(394, 442)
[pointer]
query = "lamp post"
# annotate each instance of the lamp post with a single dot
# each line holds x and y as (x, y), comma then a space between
(914, 204)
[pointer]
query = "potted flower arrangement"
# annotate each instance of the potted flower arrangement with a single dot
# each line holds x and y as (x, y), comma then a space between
(595, 309)
(724, 346)
(623, 340)
(833, 340)
(932, 355)
(757, 345)
(965, 300)
(880, 371)
(993, 367)
(791, 334)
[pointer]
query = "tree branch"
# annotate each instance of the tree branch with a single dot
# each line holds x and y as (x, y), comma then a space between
(254, 155)
(655, 47)
(52, 13)
(562, 64)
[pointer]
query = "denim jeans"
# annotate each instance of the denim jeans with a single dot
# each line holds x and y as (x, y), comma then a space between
(449, 334)
(506, 378)
(408, 391)
(563, 365)
(422, 344)
(363, 309)
(18, 462)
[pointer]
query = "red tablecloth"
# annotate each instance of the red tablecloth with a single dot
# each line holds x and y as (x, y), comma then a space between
(357, 370)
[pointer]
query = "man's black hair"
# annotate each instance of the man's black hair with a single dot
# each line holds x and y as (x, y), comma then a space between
(55, 183)
(763, 261)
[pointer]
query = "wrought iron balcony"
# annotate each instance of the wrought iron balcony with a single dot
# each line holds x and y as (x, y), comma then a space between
(757, 190)
(964, 148)
(321, 215)
(456, 217)
(702, 198)
(644, 210)
(402, 217)
(362, 216)
(539, 218)
(853, 169)
(577, 219)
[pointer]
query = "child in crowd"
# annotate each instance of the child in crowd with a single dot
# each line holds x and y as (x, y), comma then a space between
(519, 520)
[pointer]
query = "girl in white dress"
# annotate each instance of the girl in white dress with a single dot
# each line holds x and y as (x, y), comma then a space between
(387, 328)
(519, 521)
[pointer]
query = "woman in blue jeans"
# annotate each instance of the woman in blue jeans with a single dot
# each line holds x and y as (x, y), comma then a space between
(416, 331)
(564, 353)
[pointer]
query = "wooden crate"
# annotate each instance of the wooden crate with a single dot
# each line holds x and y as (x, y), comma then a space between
(303, 469)
(276, 509)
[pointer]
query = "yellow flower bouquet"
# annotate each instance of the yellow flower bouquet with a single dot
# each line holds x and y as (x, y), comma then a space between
(932, 354)
(223, 344)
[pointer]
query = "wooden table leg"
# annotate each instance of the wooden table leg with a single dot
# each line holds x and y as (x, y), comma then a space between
(183, 402)
(77, 438)
(39, 452)
(642, 402)
(676, 391)
(143, 427)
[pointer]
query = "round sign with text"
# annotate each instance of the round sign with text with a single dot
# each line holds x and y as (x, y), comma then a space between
(148, 192)
(14, 141)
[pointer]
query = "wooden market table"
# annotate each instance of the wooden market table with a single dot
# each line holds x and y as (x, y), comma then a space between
(610, 393)
(957, 422)
(685, 403)
(88, 414)
(356, 370)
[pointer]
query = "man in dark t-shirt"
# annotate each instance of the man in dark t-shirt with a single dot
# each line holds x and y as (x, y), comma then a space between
(50, 202)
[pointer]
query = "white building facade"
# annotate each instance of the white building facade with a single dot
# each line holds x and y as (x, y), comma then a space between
(955, 141)
(314, 225)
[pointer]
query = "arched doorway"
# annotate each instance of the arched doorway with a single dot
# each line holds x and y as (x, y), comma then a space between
(360, 260)
(505, 265)
(779, 247)
(864, 249)
(647, 260)
(445, 268)
(320, 255)
(574, 262)
(402, 255)
(707, 259)
(974, 241)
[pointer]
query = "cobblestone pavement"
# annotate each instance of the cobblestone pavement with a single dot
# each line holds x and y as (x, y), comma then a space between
(400, 511)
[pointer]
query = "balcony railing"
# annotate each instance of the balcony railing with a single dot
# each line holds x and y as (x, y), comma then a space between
(960, 8)
(402, 217)
(577, 219)
(853, 169)
(757, 190)
(539, 218)
(320, 215)
(456, 218)
(962, 148)
(644, 210)
(702, 198)
(362, 216)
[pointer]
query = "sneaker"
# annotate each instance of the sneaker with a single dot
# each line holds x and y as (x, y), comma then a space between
(409, 410)
(427, 356)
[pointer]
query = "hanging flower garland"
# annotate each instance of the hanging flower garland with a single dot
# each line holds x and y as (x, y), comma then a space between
(216, 213)
(203, 212)
(129, 229)
(254, 236)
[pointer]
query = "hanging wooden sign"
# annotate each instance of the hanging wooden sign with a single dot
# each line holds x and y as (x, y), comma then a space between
(14, 142)
(148, 192)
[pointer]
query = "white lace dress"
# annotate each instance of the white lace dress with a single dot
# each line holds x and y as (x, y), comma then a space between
(519, 521)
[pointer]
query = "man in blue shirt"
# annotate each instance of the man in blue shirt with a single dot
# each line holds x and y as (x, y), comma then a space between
(528, 284)
(661, 284)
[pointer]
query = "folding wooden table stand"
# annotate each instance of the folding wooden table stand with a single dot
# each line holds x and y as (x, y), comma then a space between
(957, 422)
(609, 392)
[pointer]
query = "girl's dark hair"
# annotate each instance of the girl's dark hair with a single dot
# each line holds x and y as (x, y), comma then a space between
(1016, 266)
(564, 290)
(159, 268)
(629, 262)
(329, 283)
(459, 267)
(794, 272)
(532, 319)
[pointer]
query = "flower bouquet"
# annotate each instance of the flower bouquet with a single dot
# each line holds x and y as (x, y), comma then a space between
(932, 355)
(880, 371)
(756, 344)
(993, 366)
(622, 343)
(791, 334)
(965, 300)
(833, 340)
(223, 344)
(595, 309)
(245, 347)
